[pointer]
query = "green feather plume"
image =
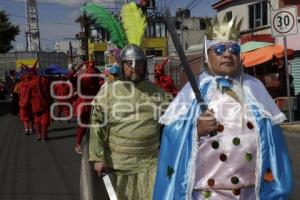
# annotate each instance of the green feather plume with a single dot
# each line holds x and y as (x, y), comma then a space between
(106, 20)
(134, 23)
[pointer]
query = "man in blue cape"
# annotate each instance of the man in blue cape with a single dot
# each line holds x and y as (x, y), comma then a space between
(234, 149)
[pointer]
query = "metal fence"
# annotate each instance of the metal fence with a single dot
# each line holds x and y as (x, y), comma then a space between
(175, 69)
(8, 61)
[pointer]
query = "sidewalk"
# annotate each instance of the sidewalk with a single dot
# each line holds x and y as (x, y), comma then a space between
(294, 128)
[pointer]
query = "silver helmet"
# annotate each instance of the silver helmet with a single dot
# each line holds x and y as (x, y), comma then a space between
(132, 52)
(135, 54)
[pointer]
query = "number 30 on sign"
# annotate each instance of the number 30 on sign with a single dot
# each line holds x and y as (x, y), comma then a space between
(284, 21)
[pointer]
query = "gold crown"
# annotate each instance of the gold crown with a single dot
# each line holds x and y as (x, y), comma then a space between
(227, 30)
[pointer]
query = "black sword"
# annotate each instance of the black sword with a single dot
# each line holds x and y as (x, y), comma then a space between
(183, 59)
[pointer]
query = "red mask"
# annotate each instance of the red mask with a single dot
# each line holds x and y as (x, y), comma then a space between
(158, 70)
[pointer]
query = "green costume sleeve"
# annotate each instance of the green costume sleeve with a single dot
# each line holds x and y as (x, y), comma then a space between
(98, 130)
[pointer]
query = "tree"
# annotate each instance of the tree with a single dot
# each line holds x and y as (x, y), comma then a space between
(8, 32)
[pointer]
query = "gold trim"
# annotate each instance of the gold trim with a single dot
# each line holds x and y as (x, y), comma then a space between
(129, 142)
(134, 138)
(225, 188)
(146, 150)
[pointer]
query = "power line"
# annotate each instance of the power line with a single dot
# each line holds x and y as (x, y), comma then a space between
(199, 1)
(47, 40)
(23, 27)
(193, 4)
(168, 3)
(49, 21)
(189, 4)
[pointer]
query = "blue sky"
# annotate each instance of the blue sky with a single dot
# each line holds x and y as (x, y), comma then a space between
(57, 17)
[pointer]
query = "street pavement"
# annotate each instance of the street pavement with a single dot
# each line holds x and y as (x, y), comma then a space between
(32, 170)
(293, 140)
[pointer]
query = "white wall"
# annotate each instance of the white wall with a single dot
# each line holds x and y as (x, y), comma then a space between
(192, 36)
(240, 9)
(63, 46)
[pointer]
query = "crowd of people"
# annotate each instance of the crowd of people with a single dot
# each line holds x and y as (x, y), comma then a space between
(39, 98)
(156, 147)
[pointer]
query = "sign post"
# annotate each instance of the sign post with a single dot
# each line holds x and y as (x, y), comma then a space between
(284, 22)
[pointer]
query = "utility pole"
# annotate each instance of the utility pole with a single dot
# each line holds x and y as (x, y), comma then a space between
(286, 63)
(32, 32)
(71, 51)
(181, 28)
(86, 36)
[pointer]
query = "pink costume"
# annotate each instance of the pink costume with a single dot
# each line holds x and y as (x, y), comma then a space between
(226, 165)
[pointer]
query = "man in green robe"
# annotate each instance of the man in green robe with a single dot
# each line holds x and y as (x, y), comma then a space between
(125, 133)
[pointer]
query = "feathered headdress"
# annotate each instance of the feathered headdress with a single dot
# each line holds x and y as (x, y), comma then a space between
(106, 20)
(133, 20)
(134, 23)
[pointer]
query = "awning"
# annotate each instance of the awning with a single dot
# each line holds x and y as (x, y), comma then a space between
(54, 70)
(254, 56)
(253, 45)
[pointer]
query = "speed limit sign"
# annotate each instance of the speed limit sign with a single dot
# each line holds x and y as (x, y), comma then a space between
(284, 21)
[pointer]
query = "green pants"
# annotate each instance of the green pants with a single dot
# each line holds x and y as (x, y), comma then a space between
(134, 186)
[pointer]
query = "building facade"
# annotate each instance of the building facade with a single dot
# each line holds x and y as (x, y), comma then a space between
(70, 46)
(191, 30)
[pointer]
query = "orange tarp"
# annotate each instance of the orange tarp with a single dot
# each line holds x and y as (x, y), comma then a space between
(264, 54)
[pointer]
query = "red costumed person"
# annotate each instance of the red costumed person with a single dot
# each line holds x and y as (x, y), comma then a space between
(62, 90)
(39, 91)
(88, 88)
(24, 101)
(163, 80)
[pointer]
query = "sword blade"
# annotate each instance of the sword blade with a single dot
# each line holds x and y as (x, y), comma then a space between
(109, 187)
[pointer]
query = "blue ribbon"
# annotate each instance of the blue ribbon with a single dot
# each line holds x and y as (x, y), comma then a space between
(224, 83)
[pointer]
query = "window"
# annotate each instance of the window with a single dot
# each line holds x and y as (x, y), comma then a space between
(293, 2)
(229, 15)
(202, 24)
(99, 58)
(177, 24)
(156, 29)
(98, 34)
(154, 52)
(258, 15)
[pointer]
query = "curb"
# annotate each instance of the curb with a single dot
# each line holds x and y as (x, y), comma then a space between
(294, 128)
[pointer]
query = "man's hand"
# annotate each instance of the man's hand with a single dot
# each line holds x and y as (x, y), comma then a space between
(100, 168)
(206, 123)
